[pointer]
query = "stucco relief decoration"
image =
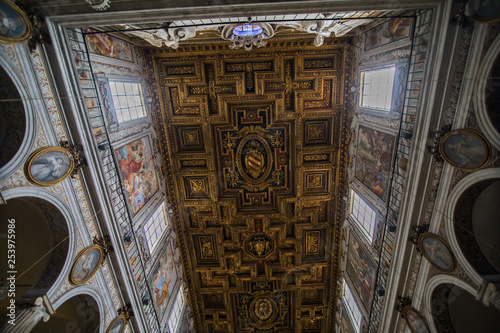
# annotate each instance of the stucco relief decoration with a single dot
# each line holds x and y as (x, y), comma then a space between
(259, 246)
(254, 157)
(263, 308)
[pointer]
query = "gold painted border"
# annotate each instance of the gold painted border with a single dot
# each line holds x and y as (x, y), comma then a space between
(438, 238)
(117, 319)
(37, 153)
(408, 308)
(479, 136)
(27, 24)
(78, 256)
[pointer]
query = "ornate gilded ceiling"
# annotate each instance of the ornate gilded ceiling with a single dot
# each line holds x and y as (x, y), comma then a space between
(254, 147)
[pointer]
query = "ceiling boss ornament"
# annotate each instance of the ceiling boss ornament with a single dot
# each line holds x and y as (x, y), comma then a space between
(248, 35)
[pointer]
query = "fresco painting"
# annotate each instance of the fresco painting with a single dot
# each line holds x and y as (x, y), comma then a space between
(374, 159)
(362, 271)
(137, 172)
(108, 46)
(162, 281)
(388, 32)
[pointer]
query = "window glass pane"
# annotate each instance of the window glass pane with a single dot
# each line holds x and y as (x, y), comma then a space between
(127, 100)
(352, 308)
(155, 227)
(377, 88)
(177, 309)
(364, 215)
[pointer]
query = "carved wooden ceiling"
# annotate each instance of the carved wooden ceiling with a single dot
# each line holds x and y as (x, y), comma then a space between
(255, 152)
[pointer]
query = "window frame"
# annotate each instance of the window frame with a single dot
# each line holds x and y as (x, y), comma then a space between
(347, 305)
(362, 74)
(163, 232)
(360, 224)
(178, 312)
(133, 80)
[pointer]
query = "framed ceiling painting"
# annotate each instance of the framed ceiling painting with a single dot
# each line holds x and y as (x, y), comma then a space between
(86, 264)
(117, 325)
(373, 160)
(137, 172)
(362, 270)
(465, 149)
(106, 45)
(15, 27)
(387, 33)
(414, 320)
(48, 166)
(437, 252)
(162, 280)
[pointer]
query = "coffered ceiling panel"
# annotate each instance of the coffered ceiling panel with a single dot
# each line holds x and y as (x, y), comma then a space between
(254, 148)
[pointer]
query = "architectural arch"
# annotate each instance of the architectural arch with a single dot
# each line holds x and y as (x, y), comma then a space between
(53, 281)
(24, 146)
(490, 60)
(431, 286)
(468, 189)
(450, 305)
(92, 311)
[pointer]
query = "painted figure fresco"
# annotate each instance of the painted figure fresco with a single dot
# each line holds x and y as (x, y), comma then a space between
(14, 24)
(374, 159)
(86, 265)
(162, 281)
(464, 149)
(362, 270)
(437, 252)
(388, 32)
(50, 166)
(414, 321)
(137, 172)
(108, 46)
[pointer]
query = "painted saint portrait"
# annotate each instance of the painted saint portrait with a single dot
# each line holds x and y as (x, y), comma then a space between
(465, 149)
(48, 166)
(108, 46)
(117, 325)
(414, 320)
(374, 160)
(388, 32)
(362, 270)
(86, 264)
(137, 172)
(437, 252)
(15, 26)
(162, 281)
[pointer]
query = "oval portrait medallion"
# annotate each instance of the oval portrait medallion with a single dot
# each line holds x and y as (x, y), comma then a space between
(439, 254)
(465, 149)
(254, 159)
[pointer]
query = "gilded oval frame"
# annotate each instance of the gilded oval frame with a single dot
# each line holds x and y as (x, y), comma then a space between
(121, 318)
(25, 21)
(475, 134)
(404, 313)
(86, 250)
(441, 241)
(39, 152)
